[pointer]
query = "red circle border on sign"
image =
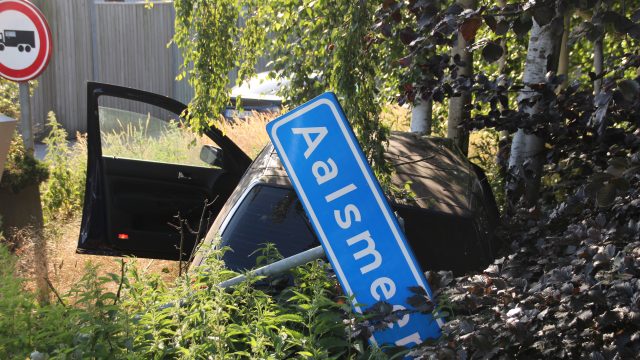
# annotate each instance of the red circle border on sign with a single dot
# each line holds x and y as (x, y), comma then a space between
(44, 36)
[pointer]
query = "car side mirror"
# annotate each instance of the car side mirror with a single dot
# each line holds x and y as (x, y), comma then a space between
(211, 155)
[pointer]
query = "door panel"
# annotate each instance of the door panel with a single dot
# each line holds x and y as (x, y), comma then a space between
(143, 198)
(144, 171)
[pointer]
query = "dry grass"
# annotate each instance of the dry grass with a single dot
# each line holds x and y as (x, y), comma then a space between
(21, 243)
(396, 117)
(249, 134)
(66, 267)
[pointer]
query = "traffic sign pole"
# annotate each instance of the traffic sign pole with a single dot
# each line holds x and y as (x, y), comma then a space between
(26, 123)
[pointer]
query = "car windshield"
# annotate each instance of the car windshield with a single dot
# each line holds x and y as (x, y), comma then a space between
(268, 214)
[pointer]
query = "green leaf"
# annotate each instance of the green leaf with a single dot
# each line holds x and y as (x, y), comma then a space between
(288, 317)
(543, 14)
(492, 52)
(522, 25)
(470, 27)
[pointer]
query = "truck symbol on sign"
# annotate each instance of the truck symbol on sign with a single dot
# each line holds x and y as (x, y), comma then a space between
(23, 40)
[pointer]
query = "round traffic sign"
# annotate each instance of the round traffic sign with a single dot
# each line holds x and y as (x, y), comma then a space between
(25, 40)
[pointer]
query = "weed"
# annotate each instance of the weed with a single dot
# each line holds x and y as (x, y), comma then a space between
(63, 193)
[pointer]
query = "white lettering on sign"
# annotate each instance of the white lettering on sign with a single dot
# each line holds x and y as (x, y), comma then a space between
(329, 170)
(386, 285)
(351, 213)
(324, 171)
(340, 193)
(312, 144)
(404, 320)
(411, 339)
(369, 250)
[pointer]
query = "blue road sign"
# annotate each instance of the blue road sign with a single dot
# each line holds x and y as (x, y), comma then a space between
(351, 216)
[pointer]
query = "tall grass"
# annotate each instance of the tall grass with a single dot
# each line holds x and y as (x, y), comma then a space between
(145, 140)
(249, 133)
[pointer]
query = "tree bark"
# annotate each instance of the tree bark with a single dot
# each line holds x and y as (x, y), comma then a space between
(598, 58)
(563, 62)
(527, 150)
(459, 106)
(421, 116)
(502, 62)
(504, 137)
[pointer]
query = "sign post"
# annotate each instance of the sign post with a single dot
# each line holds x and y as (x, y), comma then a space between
(26, 122)
(351, 216)
(25, 52)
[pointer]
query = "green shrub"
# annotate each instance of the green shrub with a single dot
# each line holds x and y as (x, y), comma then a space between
(63, 193)
(9, 94)
(21, 168)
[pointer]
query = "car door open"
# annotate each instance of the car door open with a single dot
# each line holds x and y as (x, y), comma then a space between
(145, 169)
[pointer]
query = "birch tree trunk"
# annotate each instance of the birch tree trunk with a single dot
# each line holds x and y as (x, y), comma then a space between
(563, 62)
(598, 58)
(502, 62)
(527, 150)
(504, 139)
(421, 116)
(458, 106)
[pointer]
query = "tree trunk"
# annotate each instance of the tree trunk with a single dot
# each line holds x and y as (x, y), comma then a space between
(421, 116)
(504, 141)
(458, 106)
(563, 62)
(527, 150)
(598, 58)
(502, 62)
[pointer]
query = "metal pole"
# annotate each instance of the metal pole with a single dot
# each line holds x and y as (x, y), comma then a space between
(288, 263)
(271, 269)
(26, 124)
(278, 266)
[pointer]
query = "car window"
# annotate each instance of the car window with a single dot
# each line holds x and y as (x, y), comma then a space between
(135, 130)
(268, 214)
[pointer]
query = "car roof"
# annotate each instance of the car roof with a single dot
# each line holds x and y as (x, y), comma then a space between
(440, 177)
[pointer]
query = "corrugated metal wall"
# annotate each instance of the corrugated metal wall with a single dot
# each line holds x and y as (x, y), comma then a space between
(62, 86)
(131, 50)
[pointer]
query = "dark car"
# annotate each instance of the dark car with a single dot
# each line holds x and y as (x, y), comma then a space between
(131, 199)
